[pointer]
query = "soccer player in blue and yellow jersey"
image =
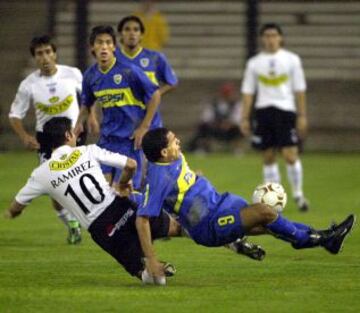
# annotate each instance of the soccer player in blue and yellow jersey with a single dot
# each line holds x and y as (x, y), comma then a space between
(212, 219)
(128, 99)
(153, 63)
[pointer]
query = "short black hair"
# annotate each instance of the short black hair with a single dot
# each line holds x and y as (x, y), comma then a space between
(129, 18)
(153, 142)
(267, 26)
(102, 29)
(55, 130)
(38, 41)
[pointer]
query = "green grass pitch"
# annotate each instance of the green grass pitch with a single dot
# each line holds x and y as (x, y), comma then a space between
(39, 272)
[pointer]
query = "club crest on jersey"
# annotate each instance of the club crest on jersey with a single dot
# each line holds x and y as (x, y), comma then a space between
(144, 62)
(117, 79)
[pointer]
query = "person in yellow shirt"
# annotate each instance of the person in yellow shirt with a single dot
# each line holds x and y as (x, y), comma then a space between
(157, 29)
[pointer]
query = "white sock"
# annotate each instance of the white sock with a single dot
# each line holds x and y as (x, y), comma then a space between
(271, 173)
(295, 176)
(65, 216)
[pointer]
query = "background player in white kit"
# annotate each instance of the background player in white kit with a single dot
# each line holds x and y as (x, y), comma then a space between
(276, 77)
(53, 91)
(73, 177)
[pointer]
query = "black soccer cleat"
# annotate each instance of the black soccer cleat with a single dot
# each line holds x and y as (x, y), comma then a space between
(335, 241)
(251, 250)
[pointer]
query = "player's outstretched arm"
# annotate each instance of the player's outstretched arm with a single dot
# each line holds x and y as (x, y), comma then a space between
(14, 210)
(154, 267)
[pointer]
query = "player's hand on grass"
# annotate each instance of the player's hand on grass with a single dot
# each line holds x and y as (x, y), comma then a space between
(30, 142)
(138, 136)
(156, 270)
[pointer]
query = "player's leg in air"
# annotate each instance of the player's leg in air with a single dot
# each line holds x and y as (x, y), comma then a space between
(260, 218)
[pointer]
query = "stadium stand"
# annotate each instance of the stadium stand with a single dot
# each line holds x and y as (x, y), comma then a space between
(208, 44)
(208, 38)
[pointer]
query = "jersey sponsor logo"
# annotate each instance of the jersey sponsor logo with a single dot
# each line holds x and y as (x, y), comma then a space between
(109, 98)
(69, 162)
(111, 229)
(144, 62)
(273, 81)
(55, 109)
(117, 79)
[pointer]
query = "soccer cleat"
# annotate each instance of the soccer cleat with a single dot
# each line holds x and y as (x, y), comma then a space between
(251, 250)
(335, 241)
(302, 204)
(74, 236)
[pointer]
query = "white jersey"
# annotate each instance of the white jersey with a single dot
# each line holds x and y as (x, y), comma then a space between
(51, 96)
(274, 77)
(73, 177)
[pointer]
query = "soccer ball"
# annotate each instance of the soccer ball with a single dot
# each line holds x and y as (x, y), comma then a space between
(272, 194)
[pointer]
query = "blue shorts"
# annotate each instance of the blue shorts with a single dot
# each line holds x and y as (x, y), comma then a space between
(223, 225)
(125, 147)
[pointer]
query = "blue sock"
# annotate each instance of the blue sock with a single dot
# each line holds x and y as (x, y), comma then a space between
(288, 231)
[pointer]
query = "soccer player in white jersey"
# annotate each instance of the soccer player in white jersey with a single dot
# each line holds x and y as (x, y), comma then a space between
(53, 91)
(276, 77)
(73, 177)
